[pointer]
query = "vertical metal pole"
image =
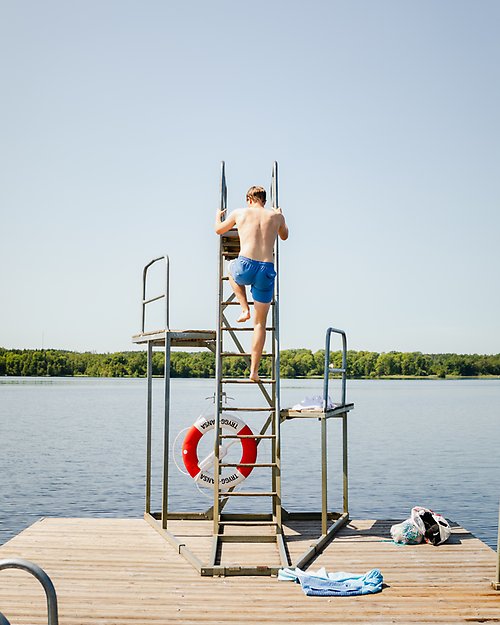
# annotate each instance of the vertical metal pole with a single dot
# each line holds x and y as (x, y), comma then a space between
(326, 375)
(143, 308)
(166, 431)
(218, 362)
(324, 438)
(324, 477)
(167, 293)
(496, 583)
(277, 402)
(149, 426)
(344, 462)
(273, 420)
(344, 366)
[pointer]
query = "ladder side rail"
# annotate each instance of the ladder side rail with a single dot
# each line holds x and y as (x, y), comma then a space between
(165, 295)
(43, 578)
(218, 368)
(276, 480)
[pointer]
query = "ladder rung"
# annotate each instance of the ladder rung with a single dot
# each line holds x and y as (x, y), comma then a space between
(239, 494)
(153, 299)
(248, 464)
(231, 329)
(247, 538)
(231, 303)
(233, 409)
(247, 436)
(244, 354)
(247, 381)
(333, 370)
(248, 523)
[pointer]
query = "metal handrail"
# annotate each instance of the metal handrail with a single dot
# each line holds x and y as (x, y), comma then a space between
(164, 295)
(342, 370)
(45, 581)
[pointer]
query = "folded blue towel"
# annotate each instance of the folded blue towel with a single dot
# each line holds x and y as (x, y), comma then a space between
(341, 584)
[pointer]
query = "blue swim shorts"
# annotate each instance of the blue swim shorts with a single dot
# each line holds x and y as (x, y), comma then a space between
(258, 274)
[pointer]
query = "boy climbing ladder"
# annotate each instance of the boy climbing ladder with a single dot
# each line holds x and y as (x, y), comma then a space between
(258, 228)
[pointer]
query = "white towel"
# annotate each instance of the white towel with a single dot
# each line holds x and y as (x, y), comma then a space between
(315, 402)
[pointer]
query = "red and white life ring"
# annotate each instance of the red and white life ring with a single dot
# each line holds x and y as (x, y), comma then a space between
(196, 469)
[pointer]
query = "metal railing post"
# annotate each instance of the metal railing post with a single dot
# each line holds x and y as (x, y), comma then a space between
(496, 582)
(43, 578)
(166, 432)
(324, 450)
(149, 434)
(165, 295)
(342, 370)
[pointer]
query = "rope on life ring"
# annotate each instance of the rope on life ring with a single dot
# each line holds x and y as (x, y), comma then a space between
(197, 469)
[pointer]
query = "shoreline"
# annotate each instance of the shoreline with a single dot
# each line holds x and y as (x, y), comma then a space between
(312, 377)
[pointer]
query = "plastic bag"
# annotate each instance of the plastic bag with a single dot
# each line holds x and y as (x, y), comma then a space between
(407, 533)
(434, 527)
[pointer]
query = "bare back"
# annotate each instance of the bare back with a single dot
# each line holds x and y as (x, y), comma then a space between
(258, 229)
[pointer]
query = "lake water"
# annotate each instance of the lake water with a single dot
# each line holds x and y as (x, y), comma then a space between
(75, 447)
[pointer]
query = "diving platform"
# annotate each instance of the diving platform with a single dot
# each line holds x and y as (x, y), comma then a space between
(121, 572)
(177, 338)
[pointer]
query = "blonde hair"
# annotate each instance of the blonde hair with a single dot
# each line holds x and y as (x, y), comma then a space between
(257, 194)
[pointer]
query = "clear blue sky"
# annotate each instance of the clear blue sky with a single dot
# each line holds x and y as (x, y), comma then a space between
(383, 116)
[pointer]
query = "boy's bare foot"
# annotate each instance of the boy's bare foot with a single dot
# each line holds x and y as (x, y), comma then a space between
(245, 316)
(254, 377)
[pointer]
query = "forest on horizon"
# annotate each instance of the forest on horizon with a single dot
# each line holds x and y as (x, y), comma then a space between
(294, 363)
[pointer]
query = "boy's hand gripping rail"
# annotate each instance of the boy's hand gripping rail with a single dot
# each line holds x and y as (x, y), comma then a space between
(43, 578)
(165, 295)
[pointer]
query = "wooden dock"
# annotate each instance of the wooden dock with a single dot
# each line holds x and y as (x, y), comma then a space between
(121, 572)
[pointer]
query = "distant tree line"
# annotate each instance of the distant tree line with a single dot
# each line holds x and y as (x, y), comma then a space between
(295, 363)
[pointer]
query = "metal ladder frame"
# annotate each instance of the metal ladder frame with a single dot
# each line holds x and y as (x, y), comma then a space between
(273, 401)
(167, 338)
